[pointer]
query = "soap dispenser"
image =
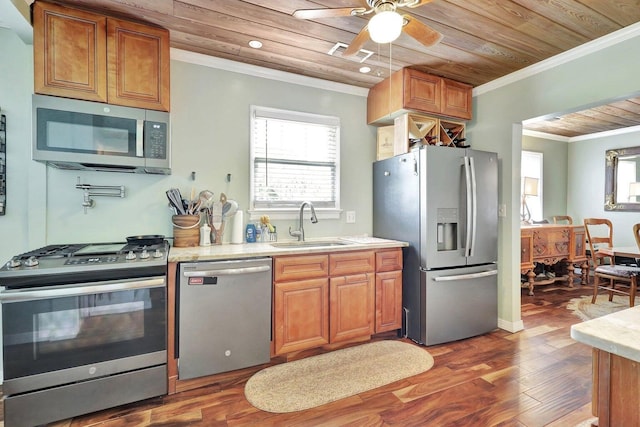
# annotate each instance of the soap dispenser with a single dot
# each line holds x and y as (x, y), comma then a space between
(205, 235)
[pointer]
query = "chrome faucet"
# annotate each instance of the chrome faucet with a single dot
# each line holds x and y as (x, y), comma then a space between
(299, 233)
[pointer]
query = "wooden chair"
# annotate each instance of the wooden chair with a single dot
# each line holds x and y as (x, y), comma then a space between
(607, 276)
(561, 219)
(636, 233)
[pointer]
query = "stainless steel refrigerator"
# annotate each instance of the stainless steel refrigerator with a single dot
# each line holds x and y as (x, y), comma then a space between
(444, 202)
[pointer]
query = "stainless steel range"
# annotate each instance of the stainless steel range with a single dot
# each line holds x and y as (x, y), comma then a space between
(83, 328)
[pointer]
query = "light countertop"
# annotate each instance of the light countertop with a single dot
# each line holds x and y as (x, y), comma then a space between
(250, 250)
(617, 333)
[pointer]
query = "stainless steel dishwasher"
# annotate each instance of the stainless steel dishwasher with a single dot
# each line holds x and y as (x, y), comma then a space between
(224, 316)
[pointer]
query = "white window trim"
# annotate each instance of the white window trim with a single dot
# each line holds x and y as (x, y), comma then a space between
(292, 213)
(540, 176)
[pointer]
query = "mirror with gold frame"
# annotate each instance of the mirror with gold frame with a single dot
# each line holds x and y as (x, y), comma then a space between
(622, 180)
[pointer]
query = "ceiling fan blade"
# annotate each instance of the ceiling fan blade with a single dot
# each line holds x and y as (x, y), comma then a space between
(421, 32)
(420, 3)
(358, 41)
(327, 13)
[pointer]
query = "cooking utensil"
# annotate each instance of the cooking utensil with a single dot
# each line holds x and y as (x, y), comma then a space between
(175, 200)
(229, 208)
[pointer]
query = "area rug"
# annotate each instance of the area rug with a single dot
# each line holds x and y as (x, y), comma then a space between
(316, 380)
(583, 308)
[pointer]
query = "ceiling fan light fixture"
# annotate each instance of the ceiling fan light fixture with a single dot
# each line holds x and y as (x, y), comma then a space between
(385, 26)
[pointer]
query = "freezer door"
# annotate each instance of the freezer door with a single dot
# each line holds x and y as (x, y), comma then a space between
(458, 303)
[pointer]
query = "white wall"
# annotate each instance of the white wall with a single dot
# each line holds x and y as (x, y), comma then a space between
(499, 111)
(210, 135)
(586, 176)
(554, 173)
(16, 87)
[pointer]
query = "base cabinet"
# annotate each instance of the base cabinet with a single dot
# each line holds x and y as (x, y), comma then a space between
(352, 304)
(336, 297)
(301, 315)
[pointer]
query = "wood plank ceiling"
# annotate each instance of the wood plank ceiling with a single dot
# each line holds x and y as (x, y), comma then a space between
(482, 39)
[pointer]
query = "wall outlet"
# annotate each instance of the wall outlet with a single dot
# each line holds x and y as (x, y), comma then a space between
(351, 217)
(502, 210)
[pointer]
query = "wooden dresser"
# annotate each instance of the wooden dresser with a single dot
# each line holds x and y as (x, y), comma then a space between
(552, 243)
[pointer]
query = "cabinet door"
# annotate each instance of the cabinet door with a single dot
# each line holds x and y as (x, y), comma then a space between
(138, 65)
(422, 92)
(301, 315)
(388, 301)
(526, 249)
(69, 51)
(456, 99)
(352, 306)
(578, 243)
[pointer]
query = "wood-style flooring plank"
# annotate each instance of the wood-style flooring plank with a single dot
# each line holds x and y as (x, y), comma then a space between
(536, 377)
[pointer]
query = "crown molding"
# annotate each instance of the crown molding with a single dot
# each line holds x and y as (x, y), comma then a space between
(263, 72)
(603, 42)
(587, 137)
(544, 135)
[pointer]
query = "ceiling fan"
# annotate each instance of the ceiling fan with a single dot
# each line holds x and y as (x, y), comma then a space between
(384, 26)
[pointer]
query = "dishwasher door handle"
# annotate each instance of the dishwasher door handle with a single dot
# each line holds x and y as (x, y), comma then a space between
(227, 271)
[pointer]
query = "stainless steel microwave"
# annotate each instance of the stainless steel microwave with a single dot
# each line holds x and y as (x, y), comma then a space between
(84, 135)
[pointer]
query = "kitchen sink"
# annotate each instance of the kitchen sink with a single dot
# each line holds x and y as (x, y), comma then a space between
(309, 244)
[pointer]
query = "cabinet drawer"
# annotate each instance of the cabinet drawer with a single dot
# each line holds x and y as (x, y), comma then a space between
(351, 263)
(389, 260)
(300, 267)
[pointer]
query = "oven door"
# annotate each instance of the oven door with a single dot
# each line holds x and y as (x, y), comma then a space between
(62, 334)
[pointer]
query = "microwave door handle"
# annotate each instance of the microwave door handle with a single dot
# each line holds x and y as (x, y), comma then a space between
(139, 138)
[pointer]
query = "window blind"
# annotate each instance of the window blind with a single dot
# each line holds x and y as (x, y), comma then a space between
(295, 157)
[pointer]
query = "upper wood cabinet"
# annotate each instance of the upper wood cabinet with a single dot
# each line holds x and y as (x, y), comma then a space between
(84, 55)
(411, 90)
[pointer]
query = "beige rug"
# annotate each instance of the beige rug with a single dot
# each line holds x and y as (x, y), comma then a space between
(583, 308)
(325, 378)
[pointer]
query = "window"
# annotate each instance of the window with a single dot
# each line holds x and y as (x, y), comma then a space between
(295, 157)
(532, 168)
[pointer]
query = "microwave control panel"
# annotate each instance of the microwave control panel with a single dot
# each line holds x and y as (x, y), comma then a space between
(155, 140)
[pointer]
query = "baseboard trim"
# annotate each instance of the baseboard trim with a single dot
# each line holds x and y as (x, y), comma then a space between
(510, 326)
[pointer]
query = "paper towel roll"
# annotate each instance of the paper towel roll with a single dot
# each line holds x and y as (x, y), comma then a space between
(237, 231)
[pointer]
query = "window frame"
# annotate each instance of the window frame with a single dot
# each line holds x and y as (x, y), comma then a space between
(282, 114)
(535, 203)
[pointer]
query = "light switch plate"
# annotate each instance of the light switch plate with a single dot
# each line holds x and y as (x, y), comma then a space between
(351, 217)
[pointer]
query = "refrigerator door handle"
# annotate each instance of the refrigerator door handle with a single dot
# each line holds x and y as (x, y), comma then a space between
(468, 230)
(465, 276)
(474, 205)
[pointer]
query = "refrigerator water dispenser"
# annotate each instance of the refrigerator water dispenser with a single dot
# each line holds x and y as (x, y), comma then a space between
(447, 229)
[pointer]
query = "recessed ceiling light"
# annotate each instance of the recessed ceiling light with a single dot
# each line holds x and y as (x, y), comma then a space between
(365, 69)
(255, 44)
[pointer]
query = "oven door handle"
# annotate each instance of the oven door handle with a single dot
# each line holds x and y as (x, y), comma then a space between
(81, 289)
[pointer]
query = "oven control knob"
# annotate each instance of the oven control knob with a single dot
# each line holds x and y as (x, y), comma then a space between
(31, 261)
(14, 263)
(130, 256)
(144, 254)
(158, 254)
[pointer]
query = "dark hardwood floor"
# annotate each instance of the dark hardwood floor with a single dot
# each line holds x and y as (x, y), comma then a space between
(537, 377)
